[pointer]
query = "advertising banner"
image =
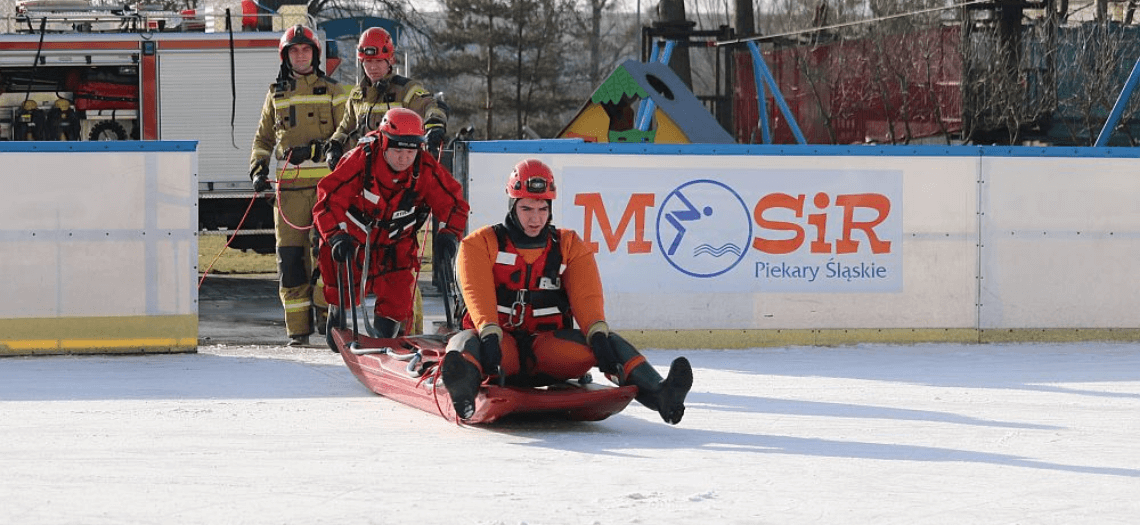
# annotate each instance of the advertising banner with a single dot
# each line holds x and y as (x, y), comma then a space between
(741, 230)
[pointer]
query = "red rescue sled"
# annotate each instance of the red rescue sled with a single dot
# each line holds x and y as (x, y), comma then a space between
(406, 369)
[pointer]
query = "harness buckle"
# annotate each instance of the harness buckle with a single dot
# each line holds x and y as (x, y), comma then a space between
(518, 310)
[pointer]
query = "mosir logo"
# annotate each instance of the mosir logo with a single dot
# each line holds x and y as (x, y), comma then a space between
(703, 228)
(792, 240)
(874, 207)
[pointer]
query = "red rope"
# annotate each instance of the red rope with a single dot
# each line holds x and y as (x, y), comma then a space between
(232, 237)
(277, 192)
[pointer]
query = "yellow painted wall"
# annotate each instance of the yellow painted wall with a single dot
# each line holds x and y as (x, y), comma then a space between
(668, 132)
(592, 124)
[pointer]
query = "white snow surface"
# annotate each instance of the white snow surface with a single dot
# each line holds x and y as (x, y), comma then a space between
(882, 434)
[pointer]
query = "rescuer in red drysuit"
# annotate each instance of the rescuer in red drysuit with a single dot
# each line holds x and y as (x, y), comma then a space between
(379, 196)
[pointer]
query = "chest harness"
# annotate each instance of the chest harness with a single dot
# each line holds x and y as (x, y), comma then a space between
(530, 297)
(406, 217)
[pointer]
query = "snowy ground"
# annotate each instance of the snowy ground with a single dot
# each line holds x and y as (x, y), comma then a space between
(955, 434)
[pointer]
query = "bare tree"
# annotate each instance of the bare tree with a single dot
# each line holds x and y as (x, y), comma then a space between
(609, 37)
(522, 45)
(1096, 69)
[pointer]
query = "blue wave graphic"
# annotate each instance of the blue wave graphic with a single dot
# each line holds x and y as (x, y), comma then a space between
(708, 249)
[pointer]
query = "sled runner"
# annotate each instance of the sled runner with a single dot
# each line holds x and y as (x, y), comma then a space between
(405, 369)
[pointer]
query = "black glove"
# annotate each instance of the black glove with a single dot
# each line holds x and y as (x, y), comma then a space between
(604, 352)
(490, 355)
(333, 152)
(444, 248)
(434, 138)
(342, 246)
(259, 174)
(299, 154)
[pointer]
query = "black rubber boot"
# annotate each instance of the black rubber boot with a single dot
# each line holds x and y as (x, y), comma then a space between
(462, 379)
(386, 327)
(666, 396)
(671, 399)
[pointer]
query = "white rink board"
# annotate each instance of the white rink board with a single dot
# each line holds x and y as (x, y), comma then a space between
(936, 274)
(1061, 243)
(99, 229)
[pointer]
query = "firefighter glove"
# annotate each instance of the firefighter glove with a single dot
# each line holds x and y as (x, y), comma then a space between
(342, 246)
(434, 138)
(333, 153)
(261, 183)
(604, 352)
(490, 354)
(259, 174)
(259, 167)
(445, 247)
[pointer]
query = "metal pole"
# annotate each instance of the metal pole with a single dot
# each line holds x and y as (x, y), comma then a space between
(1118, 108)
(762, 67)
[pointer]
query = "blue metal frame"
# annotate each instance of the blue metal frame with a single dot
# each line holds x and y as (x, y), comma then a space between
(761, 71)
(1118, 108)
(529, 147)
(645, 109)
(97, 146)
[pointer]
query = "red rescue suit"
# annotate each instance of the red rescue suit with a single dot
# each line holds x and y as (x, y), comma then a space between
(385, 209)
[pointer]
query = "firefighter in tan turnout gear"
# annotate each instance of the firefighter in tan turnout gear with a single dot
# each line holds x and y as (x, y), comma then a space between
(379, 90)
(302, 109)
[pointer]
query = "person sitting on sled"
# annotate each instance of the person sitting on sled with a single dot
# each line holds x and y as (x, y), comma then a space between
(524, 282)
(379, 196)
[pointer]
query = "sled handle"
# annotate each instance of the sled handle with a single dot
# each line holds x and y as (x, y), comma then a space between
(351, 295)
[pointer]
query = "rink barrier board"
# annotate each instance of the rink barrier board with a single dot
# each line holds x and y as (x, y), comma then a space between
(682, 339)
(100, 244)
(989, 243)
(103, 335)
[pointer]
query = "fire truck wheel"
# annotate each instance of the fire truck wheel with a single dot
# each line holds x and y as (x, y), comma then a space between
(107, 130)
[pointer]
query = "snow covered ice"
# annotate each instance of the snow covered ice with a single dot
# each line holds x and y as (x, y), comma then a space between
(924, 434)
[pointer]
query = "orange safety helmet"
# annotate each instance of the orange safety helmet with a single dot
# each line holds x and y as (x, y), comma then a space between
(375, 42)
(402, 128)
(531, 179)
(299, 34)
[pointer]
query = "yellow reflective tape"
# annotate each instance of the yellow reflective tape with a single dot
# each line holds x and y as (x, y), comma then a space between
(303, 172)
(284, 103)
(312, 173)
(413, 93)
(297, 306)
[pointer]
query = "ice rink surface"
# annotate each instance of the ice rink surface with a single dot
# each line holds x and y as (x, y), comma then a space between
(875, 434)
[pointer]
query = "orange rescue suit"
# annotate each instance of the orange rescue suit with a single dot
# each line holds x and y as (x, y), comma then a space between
(485, 274)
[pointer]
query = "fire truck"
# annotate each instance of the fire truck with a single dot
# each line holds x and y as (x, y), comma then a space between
(93, 74)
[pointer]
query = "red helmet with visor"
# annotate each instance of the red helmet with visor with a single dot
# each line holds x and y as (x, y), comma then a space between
(531, 179)
(375, 42)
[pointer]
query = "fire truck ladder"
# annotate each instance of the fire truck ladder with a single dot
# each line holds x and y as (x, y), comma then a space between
(83, 17)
